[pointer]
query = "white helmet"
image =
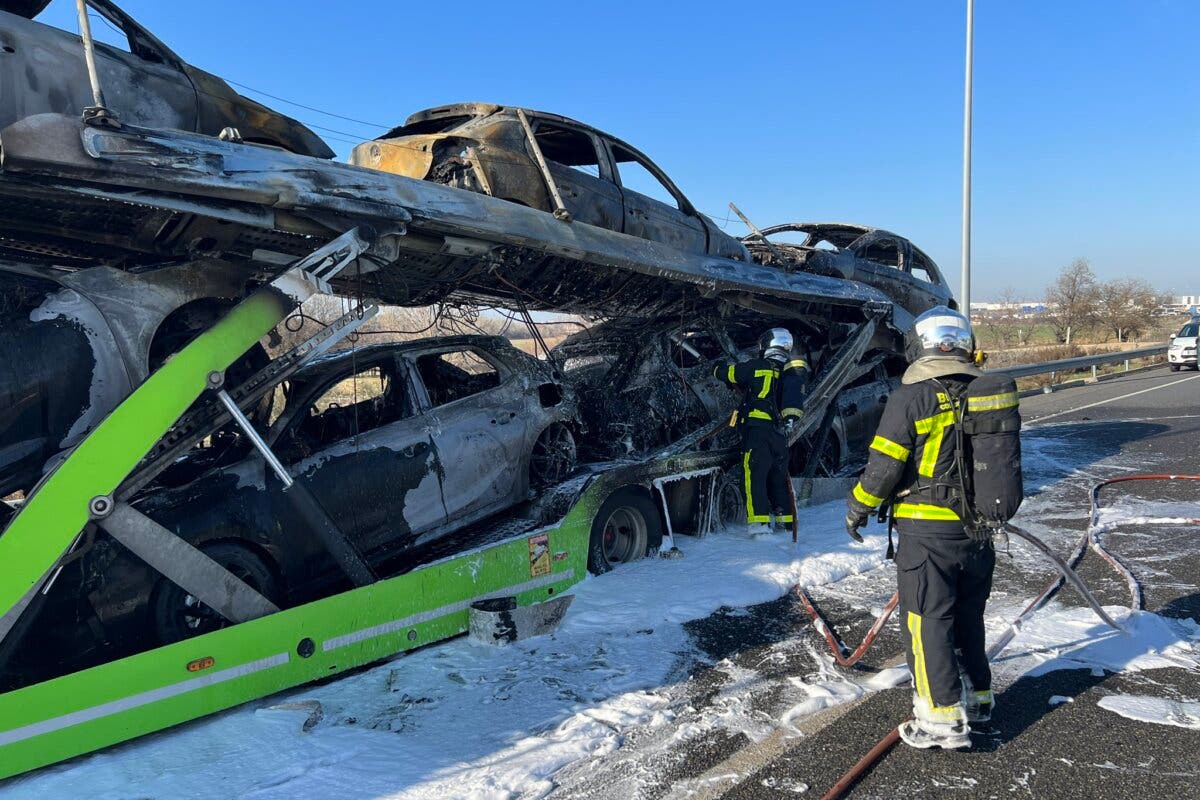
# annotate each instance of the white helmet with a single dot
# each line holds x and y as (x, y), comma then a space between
(776, 344)
(940, 331)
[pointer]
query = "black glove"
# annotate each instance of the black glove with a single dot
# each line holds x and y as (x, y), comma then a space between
(855, 519)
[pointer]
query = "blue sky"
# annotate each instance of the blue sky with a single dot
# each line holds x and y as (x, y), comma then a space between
(1087, 113)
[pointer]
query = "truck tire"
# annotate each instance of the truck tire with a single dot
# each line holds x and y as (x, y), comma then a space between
(177, 615)
(624, 529)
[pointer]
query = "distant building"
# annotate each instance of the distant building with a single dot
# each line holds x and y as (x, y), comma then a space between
(1186, 303)
(1023, 308)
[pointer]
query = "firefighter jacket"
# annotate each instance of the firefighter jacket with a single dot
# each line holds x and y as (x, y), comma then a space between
(913, 458)
(772, 392)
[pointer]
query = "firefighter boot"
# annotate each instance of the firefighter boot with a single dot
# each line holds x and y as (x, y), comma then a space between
(945, 727)
(979, 703)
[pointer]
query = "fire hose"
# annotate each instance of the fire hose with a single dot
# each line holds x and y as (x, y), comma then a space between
(1066, 574)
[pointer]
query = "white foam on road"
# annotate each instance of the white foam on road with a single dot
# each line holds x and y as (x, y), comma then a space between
(1076, 639)
(465, 720)
(1157, 710)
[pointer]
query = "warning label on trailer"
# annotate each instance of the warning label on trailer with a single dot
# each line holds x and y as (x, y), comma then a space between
(539, 555)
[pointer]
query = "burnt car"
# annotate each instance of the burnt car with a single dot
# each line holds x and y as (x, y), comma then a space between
(81, 323)
(42, 70)
(643, 385)
(402, 444)
(885, 260)
(602, 180)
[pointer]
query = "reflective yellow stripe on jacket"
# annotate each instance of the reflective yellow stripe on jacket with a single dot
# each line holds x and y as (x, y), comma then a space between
(890, 448)
(993, 402)
(935, 428)
(925, 511)
(865, 497)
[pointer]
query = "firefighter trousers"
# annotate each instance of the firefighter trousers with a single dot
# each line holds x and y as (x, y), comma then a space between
(764, 465)
(944, 583)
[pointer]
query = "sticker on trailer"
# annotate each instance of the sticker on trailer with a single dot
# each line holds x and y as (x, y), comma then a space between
(539, 555)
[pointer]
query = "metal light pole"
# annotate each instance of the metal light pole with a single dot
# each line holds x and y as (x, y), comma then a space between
(965, 300)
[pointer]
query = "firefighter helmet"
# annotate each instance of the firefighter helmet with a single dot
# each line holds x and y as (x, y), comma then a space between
(776, 344)
(940, 331)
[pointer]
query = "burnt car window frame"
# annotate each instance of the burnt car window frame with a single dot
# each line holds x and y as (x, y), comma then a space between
(683, 205)
(919, 260)
(421, 391)
(312, 391)
(860, 246)
(604, 162)
(142, 43)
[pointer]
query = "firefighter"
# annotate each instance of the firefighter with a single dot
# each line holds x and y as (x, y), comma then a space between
(773, 387)
(944, 562)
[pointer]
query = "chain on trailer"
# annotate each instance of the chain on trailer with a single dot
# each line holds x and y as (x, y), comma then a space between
(1091, 538)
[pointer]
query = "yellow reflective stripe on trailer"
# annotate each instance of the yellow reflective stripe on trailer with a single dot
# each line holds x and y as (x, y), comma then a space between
(757, 414)
(890, 448)
(865, 497)
(925, 511)
(993, 402)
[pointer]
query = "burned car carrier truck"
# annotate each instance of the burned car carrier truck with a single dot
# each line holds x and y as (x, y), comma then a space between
(178, 489)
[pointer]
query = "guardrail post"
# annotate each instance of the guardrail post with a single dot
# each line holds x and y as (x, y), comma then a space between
(1093, 372)
(1127, 365)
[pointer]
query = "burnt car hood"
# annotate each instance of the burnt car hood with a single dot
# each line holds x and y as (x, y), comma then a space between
(24, 8)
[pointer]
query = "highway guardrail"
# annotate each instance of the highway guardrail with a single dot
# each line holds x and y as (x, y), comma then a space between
(1080, 362)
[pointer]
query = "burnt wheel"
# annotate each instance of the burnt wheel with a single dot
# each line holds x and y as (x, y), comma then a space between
(553, 457)
(177, 615)
(624, 528)
(730, 499)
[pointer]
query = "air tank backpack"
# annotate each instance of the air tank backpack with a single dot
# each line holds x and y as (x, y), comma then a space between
(989, 443)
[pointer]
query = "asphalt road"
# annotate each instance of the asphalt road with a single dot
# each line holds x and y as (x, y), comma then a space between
(755, 661)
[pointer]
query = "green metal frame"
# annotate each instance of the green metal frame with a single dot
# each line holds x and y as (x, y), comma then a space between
(81, 712)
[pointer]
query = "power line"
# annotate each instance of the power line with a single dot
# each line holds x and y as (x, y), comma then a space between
(311, 108)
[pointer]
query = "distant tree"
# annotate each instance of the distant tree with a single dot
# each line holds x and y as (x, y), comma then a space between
(1003, 324)
(1072, 301)
(1125, 306)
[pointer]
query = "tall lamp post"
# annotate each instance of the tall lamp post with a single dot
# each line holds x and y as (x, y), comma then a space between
(966, 170)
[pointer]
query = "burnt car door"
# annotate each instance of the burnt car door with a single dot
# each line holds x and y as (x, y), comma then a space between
(928, 287)
(476, 409)
(44, 71)
(584, 178)
(654, 208)
(882, 260)
(357, 441)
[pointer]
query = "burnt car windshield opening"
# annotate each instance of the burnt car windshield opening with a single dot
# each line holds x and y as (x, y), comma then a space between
(428, 126)
(637, 177)
(567, 147)
(456, 374)
(353, 405)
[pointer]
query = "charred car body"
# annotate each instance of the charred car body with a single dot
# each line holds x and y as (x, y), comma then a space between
(145, 82)
(873, 256)
(403, 444)
(537, 159)
(645, 384)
